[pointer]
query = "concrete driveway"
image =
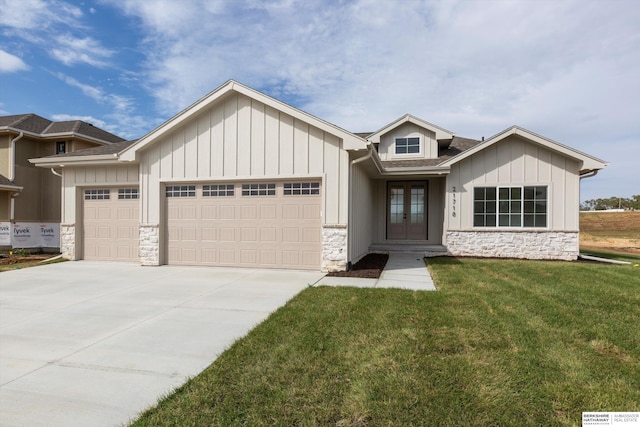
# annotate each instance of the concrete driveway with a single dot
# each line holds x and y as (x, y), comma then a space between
(94, 343)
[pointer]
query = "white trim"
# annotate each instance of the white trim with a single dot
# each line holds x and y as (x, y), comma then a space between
(589, 163)
(405, 155)
(440, 133)
(498, 227)
(349, 140)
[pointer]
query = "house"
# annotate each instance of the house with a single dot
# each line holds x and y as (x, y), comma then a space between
(242, 179)
(29, 194)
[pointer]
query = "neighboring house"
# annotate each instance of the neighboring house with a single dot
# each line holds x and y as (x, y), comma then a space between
(242, 179)
(27, 193)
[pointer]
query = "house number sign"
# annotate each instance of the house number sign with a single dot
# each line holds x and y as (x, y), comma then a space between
(453, 206)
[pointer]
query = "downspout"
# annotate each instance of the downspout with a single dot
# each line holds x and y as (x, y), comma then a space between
(12, 173)
(12, 170)
(53, 171)
(353, 162)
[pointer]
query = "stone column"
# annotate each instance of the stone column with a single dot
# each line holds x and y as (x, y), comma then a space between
(149, 249)
(68, 241)
(334, 247)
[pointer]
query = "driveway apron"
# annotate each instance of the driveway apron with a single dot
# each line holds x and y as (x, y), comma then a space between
(95, 343)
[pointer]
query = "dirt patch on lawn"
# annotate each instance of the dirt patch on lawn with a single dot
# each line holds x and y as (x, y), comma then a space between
(22, 259)
(369, 267)
(611, 231)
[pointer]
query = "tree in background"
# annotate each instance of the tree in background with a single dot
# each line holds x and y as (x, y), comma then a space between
(632, 203)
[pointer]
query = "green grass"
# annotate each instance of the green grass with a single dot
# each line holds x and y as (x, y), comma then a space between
(501, 343)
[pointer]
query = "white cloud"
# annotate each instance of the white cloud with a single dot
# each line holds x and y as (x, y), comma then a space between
(38, 14)
(10, 63)
(72, 50)
(56, 27)
(124, 120)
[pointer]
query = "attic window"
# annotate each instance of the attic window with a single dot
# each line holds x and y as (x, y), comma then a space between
(408, 145)
(61, 147)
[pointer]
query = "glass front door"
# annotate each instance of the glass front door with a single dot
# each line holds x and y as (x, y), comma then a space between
(406, 210)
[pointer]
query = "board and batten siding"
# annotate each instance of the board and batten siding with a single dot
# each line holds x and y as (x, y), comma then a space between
(362, 213)
(428, 143)
(74, 178)
(515, 162)
(241, 139)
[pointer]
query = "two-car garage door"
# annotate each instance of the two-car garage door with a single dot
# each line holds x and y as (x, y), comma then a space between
(251, 224)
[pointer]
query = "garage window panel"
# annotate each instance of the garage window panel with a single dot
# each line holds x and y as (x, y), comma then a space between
(258, 189)
(97, 194)
(301, 188)
(127, 193)
(181, 191)
(218, 190)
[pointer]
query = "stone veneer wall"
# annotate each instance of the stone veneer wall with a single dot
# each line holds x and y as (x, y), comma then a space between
(334, 247)
(68, 241)
(149, 246)
(562, 245)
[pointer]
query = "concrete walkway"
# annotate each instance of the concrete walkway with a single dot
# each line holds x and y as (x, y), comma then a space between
(94, 343)
(404, 270)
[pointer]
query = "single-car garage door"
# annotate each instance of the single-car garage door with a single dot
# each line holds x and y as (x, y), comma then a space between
(253, 224)
(110, 219)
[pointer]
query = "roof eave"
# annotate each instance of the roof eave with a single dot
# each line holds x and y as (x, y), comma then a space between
(441, 133)
(101, 159)
(56, 135)
(588, 162)
(14, 188)
(349, 140)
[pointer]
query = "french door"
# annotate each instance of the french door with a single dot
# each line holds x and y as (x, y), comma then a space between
(407, 210)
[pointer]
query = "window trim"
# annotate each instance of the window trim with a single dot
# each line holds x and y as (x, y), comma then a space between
(97, 194)
(218, 190)
(180, 191)
(407, 138)
(130, 193)
(258, 189)
(522, 214)
(301, 188)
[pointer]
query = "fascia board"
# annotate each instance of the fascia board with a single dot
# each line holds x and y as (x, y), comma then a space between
(588, 162)
(14, 188)
(349, 140)
(102, 159)
(441, 133)
(57, 135)
(129, 153)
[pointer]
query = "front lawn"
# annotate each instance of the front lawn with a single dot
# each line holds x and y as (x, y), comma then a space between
(503, 342)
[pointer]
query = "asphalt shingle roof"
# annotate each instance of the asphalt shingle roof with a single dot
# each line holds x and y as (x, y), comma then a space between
(97, 151)
(457, 146)
(39, 125)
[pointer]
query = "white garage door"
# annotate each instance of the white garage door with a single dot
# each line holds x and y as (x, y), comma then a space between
(110, 218)
(257, 224)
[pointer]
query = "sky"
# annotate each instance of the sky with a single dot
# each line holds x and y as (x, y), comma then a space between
(566, 69)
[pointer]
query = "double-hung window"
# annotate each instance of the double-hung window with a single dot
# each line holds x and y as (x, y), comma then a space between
(510, 206)
(408, 145)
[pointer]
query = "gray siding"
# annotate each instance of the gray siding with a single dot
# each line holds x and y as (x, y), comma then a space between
(513, 162)
(241, 139)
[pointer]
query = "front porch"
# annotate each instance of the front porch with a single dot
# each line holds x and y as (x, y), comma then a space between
(419, 249)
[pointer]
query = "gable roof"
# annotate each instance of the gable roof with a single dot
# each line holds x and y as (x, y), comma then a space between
(589, 163)
(441, 133)
(350, 140)
(456, 146)
(45, 128)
